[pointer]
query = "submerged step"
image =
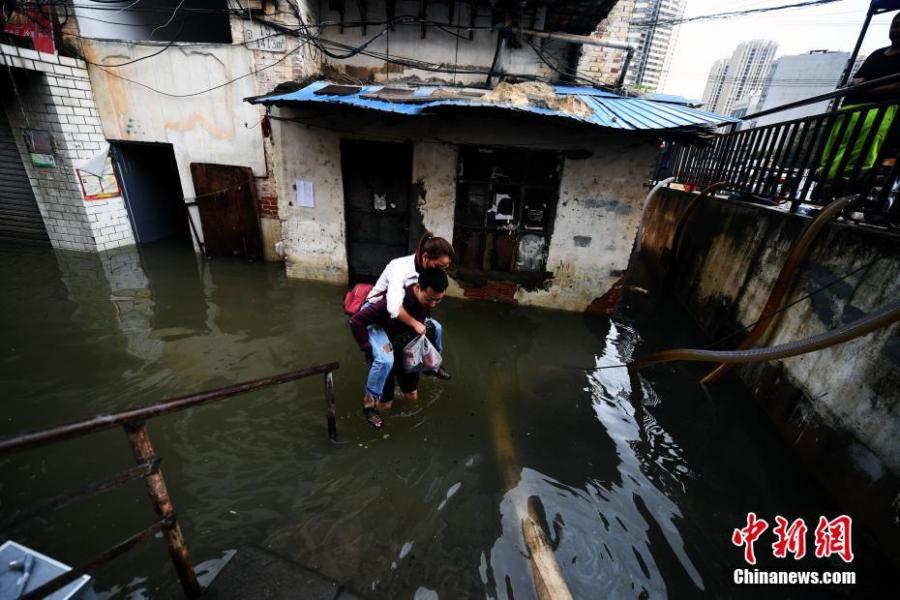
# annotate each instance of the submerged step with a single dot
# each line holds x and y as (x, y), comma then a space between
(257, 573)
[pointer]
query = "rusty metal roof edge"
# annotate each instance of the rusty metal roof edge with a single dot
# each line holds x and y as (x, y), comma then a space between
(610, 111)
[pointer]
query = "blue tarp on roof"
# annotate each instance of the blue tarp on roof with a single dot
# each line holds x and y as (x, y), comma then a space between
(606, 108)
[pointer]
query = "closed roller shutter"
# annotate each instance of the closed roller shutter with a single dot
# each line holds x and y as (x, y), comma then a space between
(20, 219)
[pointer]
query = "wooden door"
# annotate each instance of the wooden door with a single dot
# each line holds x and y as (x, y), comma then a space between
(226, 200)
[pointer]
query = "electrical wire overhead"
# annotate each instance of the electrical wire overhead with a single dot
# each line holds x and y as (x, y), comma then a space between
(732, 14)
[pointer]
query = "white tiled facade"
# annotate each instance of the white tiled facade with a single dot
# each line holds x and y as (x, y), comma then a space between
(53, 93)
(655, 44)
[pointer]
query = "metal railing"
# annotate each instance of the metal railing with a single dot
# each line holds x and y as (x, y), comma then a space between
(811, 160)
(134, 423)
(850, 151)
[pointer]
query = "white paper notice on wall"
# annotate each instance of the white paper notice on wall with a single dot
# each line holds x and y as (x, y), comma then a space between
(306, 194)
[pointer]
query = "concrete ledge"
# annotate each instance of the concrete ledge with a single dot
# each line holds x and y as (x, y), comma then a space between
(259, 574)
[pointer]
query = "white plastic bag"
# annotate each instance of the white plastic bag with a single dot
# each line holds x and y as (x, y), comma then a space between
(420, 355)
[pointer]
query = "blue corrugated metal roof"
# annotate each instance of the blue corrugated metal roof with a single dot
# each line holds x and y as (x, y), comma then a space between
(607, 109)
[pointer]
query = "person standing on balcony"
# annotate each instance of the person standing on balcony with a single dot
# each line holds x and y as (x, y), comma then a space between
(881, 63)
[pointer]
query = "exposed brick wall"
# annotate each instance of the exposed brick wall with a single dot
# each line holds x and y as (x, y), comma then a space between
(605, 64)
(54, 94)
(301, 64)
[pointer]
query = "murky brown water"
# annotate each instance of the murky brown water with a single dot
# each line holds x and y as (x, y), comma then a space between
(640, 481)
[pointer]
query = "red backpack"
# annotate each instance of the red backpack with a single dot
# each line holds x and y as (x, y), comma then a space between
(356, 297)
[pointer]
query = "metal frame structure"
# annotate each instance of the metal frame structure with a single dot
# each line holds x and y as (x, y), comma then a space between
(133, 421)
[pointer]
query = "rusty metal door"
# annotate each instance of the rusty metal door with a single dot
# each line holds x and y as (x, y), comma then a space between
(377, 189)
(226, 199)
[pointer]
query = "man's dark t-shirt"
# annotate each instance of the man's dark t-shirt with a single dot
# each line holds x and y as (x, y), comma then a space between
(876, 65)
(376, 313)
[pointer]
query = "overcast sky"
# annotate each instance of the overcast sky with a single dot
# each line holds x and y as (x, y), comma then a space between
(830, 27)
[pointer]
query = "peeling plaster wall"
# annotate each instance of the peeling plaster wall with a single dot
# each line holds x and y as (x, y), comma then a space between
(438, 46)
(837, 407)
(314, 238)
(205, 128)
(434, 178)
(596, 219)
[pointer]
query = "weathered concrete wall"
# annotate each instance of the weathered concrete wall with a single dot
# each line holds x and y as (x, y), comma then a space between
(215, 126)
(52, 93)
(596, 218)
(207, 128)
(596, 221)
(315, 244)
(442, 47)
(838, 406)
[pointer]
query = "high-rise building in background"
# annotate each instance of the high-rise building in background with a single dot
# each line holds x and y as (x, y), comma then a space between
(713, 90)
(654, 34)
(744, 76)
(798, 77)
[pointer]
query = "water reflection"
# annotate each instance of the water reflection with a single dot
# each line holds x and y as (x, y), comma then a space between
(432, 506)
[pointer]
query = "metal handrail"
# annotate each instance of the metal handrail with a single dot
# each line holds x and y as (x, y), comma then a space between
(133, 421)
(812, 159)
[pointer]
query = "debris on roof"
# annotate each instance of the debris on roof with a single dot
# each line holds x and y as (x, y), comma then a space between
(589, 106)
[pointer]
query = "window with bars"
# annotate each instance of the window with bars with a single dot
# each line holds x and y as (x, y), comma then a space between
(505, 207)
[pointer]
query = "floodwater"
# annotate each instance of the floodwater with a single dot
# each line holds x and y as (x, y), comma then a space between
(638, 482)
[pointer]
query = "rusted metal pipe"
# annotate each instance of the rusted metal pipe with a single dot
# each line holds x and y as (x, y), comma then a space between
(329, 407)
(796, 255)
(62, 500)
(878, 319)
(162, 504)
(588, 40)
(102, 422)
(678, 231)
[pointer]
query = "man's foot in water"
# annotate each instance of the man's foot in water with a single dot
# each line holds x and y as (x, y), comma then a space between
(441, 373)
(373, 417)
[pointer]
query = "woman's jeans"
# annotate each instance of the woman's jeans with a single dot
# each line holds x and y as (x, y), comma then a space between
(383, 355)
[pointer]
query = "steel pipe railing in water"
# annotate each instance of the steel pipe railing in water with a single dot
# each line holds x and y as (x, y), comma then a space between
(133, 421)
(878, 319)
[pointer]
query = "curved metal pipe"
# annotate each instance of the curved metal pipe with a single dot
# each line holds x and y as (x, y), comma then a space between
(647, 199)
(796, 255)
(682, 221)
(880, 318)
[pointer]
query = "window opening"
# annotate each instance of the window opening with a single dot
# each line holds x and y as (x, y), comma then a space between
(156, 20)
(505, 204)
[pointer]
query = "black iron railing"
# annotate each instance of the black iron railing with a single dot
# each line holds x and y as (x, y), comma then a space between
(134, 423)
(811, 160)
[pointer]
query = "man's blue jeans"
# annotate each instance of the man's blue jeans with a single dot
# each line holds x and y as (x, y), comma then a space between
(383, 356)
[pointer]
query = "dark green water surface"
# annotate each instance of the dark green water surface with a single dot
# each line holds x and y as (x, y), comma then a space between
(639, 481)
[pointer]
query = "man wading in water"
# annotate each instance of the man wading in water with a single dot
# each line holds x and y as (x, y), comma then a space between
(374, 322)
(431, 253)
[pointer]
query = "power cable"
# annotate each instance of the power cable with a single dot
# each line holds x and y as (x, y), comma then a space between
(166, 24)
(732, 14)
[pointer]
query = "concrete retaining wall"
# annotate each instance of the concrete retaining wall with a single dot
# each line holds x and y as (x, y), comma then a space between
(838, 406)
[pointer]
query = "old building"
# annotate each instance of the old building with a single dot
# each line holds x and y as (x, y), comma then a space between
(470, 119)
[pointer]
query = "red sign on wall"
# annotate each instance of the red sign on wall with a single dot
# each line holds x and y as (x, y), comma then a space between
(32, 24)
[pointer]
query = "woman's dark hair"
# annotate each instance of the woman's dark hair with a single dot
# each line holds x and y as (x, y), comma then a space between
(433, 279)
(435, 247)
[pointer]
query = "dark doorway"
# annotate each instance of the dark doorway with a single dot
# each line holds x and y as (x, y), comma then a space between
(226, 199)
(152, 191)
(377, 189)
